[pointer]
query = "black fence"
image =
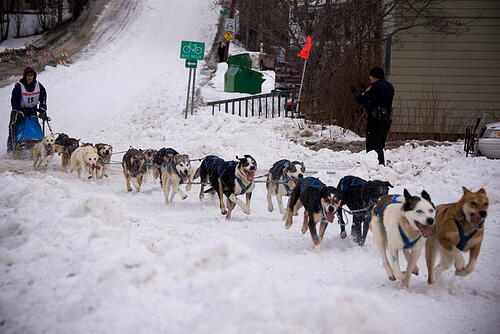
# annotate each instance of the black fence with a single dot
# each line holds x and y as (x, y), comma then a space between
(276, 104)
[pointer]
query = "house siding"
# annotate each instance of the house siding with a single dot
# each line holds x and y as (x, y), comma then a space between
(443, 81)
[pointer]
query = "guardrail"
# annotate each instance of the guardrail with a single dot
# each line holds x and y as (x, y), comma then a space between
(269, 105)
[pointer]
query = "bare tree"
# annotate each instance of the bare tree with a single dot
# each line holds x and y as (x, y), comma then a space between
(348, 38)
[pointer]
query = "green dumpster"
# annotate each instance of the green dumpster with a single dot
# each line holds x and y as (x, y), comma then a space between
(241, 60)
(240, 78)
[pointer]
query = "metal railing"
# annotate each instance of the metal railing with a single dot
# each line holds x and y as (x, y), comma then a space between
(270, 105)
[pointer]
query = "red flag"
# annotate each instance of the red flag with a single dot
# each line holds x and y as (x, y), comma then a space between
(306, 49)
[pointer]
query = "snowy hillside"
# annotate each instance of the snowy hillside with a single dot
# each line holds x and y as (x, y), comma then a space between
(80, 256)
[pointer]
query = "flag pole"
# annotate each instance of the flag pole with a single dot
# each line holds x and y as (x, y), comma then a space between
(300, 89)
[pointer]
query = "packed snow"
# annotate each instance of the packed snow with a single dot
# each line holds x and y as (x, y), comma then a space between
(80, 256)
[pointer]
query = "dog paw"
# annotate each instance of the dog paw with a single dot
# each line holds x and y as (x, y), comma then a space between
(400, 276)
(89, 177)
(463, 272)
(343, 235)
(184, 197)
(415, 271)
(270, 208)
(106, 175)
(288, 224)
(223, 212)
(392, 278)
(129, 189)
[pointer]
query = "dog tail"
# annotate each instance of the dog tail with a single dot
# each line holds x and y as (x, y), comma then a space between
(210, 190)
(197, 173)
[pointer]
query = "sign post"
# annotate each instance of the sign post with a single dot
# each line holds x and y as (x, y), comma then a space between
(192, 52)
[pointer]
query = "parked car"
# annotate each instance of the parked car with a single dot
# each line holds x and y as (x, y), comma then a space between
(488, 143)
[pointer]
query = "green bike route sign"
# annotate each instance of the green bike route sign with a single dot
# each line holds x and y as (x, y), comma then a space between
(192, 50)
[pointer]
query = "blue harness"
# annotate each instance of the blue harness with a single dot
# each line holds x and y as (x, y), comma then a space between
(406, 241)
(222, 171)
(394, 200)
(349, 182)
(316, 184)
(464, 238)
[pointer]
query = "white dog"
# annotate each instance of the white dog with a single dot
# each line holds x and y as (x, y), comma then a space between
(84, 157)
(398, 224)
(43, 151)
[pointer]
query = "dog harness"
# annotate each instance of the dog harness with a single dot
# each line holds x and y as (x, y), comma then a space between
(283, 179)
(317, 184)
(464, 238)
(222, 171)
(350, 181)
(406, 241)
(394, 200)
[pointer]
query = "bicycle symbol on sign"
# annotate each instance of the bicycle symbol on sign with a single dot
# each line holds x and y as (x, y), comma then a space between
(192, 48)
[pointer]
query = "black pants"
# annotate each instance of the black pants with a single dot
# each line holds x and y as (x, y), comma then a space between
(376, 134)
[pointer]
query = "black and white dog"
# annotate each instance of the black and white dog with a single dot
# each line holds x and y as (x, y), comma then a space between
(207, 168)
(233, 178)
(320, 204)
(360, 195)
(281, 181)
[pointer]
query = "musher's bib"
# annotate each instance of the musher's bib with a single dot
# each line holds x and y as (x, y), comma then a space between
(30, 99)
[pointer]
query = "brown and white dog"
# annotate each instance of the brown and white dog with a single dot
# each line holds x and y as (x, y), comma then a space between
(459, 228)
(104, 151)
(175, 173)
(398, 224)
(134, 168)
(43, 151)
(149, 154)
(85, 157)
(65, 146)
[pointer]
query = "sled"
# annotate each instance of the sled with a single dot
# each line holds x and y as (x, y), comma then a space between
(27, 135)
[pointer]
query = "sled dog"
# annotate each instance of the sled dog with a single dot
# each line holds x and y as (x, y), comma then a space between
(207, 167)
(360, 196)
(134, 168)
(281, 180)
(104, 151)
(84, 157)
(65, 146)
(320, 204)
(233, 178)
(43, 151)
(398, 224)
(459, 229)
(178, 171)
(162, 157)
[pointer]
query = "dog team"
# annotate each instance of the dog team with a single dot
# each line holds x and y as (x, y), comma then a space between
(400, 223)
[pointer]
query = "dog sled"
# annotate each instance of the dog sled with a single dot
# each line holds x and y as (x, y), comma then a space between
(26, 135)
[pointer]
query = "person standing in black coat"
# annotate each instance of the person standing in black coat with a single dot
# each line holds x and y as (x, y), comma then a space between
(377, 103)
